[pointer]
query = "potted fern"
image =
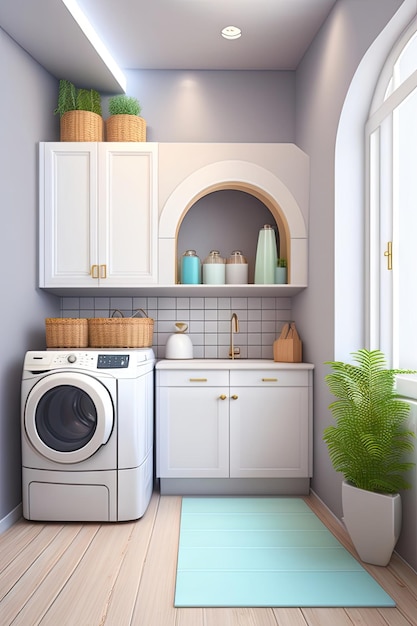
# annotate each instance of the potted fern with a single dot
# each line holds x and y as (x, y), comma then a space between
(125, 123)
(80, 113)
(368, 446)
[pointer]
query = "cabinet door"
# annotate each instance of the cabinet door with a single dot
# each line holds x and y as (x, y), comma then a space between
(128, 214)
(68, 230)
(269, 432)
(192, 432)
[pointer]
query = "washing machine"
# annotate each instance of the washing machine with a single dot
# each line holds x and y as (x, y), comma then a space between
(87, 434)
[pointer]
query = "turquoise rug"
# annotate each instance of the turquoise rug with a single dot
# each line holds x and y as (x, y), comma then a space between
(266, 552)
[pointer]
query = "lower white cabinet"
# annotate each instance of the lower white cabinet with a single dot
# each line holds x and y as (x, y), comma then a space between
(233, 423)
(192, 422)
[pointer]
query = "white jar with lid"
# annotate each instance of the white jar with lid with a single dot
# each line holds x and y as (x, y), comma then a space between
(236, 269)
(214, 269)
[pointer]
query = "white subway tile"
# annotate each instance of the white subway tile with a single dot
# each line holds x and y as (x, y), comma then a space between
(209, 320)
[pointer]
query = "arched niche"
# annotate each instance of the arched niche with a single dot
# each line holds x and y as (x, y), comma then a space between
(251, 179)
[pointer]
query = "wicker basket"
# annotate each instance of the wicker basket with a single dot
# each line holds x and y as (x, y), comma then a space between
(125, 128)
(81, 126)
(63, 332)
(120, 332)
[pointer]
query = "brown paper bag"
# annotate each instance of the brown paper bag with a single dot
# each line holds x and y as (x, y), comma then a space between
(288, 346)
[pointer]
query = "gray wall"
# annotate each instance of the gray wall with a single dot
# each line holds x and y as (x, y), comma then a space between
(215, 106)
(28, 97)
(331, 311)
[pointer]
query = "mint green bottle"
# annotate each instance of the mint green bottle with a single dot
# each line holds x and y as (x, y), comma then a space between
(266, 256)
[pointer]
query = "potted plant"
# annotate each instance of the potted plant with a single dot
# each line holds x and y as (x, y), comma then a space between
(125, 123)
(80, 113)
(368, 446)
(281, 272)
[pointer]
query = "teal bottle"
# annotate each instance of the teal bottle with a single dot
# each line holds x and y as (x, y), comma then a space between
(266, 256)
(190, 268)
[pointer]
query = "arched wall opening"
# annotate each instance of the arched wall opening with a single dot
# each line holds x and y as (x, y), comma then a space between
(238, 176)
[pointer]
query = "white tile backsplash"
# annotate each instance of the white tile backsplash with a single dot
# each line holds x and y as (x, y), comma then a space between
(260, 320)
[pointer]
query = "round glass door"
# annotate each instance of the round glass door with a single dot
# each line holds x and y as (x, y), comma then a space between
(68, 416)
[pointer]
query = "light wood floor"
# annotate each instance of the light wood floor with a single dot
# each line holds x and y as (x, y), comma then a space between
(124, 574)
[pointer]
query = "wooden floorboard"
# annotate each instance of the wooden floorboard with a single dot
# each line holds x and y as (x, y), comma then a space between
(124, 575)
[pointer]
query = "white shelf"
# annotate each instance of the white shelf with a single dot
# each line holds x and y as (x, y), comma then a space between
(181, 291)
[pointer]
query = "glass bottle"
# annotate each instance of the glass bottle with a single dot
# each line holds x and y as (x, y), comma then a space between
(266, 256)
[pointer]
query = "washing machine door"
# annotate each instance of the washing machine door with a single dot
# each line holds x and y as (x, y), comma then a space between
(68, 416)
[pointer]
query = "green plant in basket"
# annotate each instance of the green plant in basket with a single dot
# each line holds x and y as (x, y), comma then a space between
(124, 105)
(369, 442)
(70, 98)
(89, 100)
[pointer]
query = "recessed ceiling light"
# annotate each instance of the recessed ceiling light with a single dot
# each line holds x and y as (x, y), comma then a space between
(231, 32)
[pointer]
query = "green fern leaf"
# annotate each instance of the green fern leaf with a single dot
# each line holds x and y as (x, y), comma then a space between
(369, 441)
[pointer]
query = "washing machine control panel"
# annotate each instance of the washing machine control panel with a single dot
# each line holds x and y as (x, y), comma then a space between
(123, 362)
(112, 361)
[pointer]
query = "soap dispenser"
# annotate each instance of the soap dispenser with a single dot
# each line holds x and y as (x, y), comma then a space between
(179, 345)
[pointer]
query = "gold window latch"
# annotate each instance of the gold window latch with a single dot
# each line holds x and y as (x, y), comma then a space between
(388, 254)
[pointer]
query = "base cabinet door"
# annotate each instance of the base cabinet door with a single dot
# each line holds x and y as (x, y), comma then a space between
(192, 432)
(269, 432)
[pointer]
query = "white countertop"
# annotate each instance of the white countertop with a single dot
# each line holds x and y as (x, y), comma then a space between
(226, 364)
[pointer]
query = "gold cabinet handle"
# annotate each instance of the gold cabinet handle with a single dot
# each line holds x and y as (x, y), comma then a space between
(103, 271)
(388, 254)
(94, 271)
(198, 380)
(235, 397)
(269, 380)
(223, 397)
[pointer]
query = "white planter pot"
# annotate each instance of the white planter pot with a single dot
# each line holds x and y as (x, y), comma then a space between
(373, 521)
(280, 275)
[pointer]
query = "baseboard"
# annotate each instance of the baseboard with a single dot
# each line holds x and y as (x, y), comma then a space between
(11, 518)
(337, 519)
(235, 486)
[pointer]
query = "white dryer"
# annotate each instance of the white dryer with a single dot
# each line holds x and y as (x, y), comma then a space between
(87, 434)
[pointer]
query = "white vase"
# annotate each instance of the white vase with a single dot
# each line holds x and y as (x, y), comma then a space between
(373, 521)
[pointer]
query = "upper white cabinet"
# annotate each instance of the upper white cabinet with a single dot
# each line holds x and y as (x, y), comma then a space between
(98, 214)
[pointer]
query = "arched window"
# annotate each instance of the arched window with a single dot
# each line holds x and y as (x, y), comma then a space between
(391, 135)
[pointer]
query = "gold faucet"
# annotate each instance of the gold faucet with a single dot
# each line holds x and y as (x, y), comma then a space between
(234, 327)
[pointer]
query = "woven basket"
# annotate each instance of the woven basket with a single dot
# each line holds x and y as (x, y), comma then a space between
(125, 128)
(63, 332)
(120, 332)
(81, 126)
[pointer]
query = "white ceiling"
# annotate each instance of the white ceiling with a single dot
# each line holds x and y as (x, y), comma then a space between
(163, 34)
